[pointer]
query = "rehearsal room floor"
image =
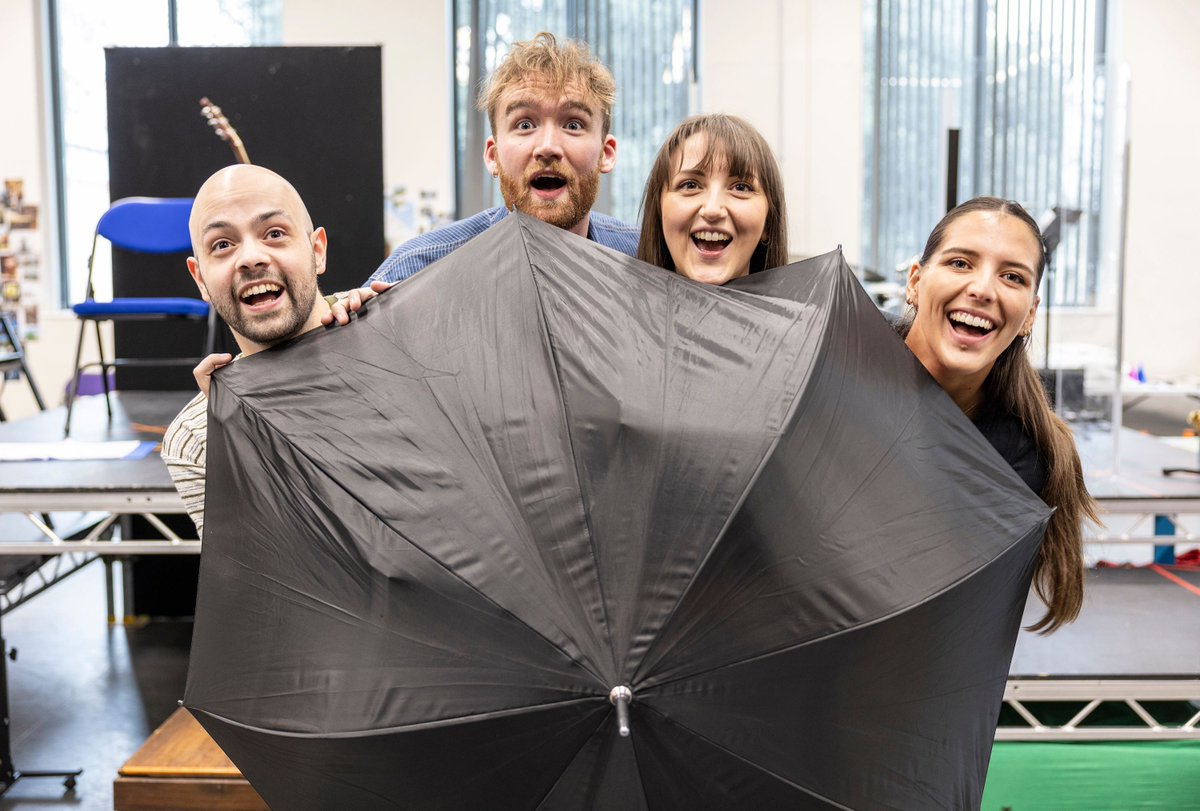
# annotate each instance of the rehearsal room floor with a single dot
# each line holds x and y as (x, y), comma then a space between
(83, 694)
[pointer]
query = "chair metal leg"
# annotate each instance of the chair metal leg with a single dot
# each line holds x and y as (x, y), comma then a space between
(10, 335)
(103, 370)
(37, 395)
(73, 386)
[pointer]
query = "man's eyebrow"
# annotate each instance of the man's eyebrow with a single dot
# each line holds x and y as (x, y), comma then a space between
(218, 225)
(215, 225)
(569, 105)
(575, 104)
(270, 215)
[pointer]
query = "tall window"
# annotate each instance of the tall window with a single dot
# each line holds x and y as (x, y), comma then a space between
(79, 31)
(650, 46)
(1023, 83)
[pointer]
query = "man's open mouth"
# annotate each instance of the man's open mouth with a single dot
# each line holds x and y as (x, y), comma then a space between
(548, 182)
(967, 324)
(261, 293)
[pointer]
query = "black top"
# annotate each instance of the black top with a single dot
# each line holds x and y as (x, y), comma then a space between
(1004, 431)
(1009, 437)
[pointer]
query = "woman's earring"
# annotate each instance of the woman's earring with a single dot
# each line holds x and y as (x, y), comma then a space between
(766, 240)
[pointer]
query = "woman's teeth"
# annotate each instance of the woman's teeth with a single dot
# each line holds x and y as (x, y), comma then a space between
(972, 321)
(710, 240)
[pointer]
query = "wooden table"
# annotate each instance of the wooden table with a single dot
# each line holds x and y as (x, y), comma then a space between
(180, 767)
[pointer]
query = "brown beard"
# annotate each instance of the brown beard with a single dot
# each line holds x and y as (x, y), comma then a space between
(566, 212)
(279, 326)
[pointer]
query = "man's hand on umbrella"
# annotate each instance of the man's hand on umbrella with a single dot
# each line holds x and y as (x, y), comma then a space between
(341, 305)
(205, 368)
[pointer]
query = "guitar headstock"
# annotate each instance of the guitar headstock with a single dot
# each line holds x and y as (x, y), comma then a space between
(224, 130)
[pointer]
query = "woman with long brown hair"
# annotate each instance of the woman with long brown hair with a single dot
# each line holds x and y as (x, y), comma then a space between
(972, 298)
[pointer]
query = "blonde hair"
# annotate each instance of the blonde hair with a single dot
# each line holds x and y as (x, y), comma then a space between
(544, 60)
(736, 142)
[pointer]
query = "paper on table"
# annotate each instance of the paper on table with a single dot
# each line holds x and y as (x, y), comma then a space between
(73, 450)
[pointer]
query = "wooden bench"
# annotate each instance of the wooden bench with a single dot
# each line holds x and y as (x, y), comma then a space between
(180, 767)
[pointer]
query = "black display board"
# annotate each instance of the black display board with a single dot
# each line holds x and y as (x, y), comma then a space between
(314, 115)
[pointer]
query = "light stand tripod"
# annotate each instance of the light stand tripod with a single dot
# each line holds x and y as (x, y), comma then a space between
(9, 773)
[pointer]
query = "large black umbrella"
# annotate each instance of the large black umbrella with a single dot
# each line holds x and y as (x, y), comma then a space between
(540, 477)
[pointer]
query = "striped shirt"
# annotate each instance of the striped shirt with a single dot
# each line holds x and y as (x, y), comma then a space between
(185, 450)
(429, 247)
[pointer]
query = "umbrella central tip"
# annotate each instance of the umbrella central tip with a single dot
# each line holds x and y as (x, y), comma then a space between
(620, 696)
(620, 693)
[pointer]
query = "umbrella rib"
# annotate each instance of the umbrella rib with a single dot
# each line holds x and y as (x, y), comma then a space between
(571, 443)
(441, 722)
(651, 683)
(756, 766)
(583, 665)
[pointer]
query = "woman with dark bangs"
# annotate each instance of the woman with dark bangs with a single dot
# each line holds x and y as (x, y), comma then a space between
(713, 209)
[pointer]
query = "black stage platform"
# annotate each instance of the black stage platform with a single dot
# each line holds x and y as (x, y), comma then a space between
(1129, 667)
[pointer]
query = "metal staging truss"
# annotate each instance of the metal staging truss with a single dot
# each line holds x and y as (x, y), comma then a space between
(1025, 695)
(99, 539)
(60, 553)
(1144, 510)
(1142, 530)
(53, 570)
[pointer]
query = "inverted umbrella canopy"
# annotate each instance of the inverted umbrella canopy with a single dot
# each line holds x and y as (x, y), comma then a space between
(539, 476)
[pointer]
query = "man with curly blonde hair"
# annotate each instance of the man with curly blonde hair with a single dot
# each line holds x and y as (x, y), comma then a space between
(550, 109)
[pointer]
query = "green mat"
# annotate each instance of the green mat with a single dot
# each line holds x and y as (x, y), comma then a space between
(1093, 776)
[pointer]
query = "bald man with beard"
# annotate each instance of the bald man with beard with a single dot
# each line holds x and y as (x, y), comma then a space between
(256, 259)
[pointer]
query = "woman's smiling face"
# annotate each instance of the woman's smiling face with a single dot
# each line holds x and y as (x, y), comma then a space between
(711, 221)
(974, 296)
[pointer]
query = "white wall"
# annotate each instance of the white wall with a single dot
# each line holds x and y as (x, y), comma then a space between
(793, 68)
(1162, 268)
(22, 155)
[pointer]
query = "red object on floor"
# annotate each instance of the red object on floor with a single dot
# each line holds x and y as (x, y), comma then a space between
(1183, 560)
(1188, 560)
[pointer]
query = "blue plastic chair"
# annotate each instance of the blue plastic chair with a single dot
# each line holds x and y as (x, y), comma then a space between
(152, 225)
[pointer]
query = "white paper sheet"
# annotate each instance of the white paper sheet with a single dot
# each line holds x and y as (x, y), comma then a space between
(66, 450)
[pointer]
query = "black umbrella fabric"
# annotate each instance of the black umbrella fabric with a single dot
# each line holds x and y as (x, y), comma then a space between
(440, 543)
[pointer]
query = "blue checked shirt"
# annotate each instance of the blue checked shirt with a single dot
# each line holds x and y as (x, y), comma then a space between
(432, 246)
